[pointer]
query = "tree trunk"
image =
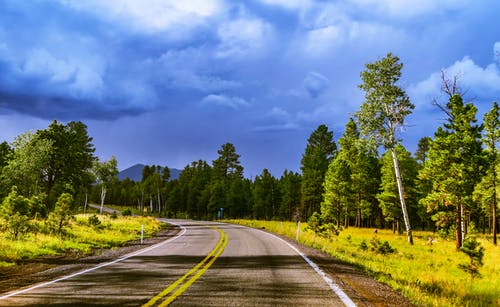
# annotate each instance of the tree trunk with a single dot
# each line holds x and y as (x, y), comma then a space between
(86, 202)
(458, 231)
(494, 210)
(159, 202)
(401, 196)
(103, 196)
(463, 220)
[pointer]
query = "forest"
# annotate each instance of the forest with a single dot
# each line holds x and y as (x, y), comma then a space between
(365, 178)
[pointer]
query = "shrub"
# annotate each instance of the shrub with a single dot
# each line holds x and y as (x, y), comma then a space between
(363, 246)
(127, 212)
(94, 221)
(60, 217)
(472, 248)
(322, 229)
(383, 248)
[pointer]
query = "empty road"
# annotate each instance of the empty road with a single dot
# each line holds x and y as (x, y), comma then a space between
(204, 264)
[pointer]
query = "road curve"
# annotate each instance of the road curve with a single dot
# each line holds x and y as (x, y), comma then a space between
(207, 264)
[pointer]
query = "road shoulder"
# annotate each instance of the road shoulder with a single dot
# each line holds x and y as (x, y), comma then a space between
(48, 268)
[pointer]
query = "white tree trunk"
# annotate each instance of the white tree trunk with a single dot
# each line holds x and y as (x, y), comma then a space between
(86, 202)
(401, 195)
(103, 196)
(159, 202)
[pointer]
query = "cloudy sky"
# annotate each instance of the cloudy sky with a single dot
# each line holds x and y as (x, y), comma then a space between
(168, 82)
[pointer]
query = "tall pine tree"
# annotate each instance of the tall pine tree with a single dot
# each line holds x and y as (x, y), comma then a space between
(455, 164)
(320, 150)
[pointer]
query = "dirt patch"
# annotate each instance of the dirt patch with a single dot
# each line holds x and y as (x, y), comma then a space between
(48, 268)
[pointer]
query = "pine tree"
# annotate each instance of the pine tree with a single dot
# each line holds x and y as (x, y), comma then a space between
(338, 195)
(289, 184)
(486, 190)
(455, 164)
(320, 150)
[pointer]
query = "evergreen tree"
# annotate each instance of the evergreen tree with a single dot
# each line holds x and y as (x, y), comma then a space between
(227, 165)
(338, 195)
(320, 150)
(266, 196)
(14, 210)
(362, 161)
(423, 149)
(487, 190)
(383, 113)
(454, 166)
(226, 170)
(289, 184)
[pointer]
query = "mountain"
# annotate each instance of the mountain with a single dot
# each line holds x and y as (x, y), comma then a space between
(134, 173)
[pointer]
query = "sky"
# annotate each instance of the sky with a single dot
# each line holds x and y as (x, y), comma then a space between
(168, 82)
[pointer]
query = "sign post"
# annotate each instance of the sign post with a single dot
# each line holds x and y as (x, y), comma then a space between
(142, 233)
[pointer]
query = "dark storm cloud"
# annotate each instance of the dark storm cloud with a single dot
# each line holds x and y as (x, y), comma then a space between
(262, 74)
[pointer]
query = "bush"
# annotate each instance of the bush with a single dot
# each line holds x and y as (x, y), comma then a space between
(94, 221)
(383, 248)
(472, 248)
(363, 246)
(114, 215)
(322, 229)
(127, 212)
(60, 217)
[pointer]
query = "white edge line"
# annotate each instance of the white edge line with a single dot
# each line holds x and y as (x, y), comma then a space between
(142, 251)
(341, 294)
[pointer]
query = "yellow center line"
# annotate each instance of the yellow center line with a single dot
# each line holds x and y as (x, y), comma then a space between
(212, 256)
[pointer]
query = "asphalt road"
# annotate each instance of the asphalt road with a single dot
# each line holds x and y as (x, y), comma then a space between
(205, 264)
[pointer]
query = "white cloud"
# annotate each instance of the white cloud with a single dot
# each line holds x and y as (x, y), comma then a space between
(481, 81)
(232, 102)
(41, 62)
(151, 15)
(83, 78)
(243, 37)
(322, 40)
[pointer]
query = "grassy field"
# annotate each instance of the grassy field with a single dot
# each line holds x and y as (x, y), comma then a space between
(426, 273)
(80, 238)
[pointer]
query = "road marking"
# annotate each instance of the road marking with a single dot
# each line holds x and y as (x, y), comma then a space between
(207, 262)
(139, 252)
(341, 294)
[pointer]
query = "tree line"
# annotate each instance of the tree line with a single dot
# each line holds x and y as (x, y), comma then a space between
(366, 178)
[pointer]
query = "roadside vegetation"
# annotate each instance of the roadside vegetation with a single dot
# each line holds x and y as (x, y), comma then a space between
(82, 235)
(427, 272)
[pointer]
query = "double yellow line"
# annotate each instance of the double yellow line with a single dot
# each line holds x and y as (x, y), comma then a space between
(181, 284)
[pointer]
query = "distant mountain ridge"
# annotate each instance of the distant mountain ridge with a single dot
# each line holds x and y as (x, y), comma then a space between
(134, 173)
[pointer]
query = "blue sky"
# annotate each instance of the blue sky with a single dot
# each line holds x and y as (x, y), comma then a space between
(168, 82)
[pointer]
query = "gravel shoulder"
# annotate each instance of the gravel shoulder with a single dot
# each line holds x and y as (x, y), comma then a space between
(363, 289)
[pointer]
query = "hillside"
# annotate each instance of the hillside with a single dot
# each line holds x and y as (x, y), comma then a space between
(135, 173)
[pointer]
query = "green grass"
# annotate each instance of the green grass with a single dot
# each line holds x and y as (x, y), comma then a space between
(80, 238)
(427, 274)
